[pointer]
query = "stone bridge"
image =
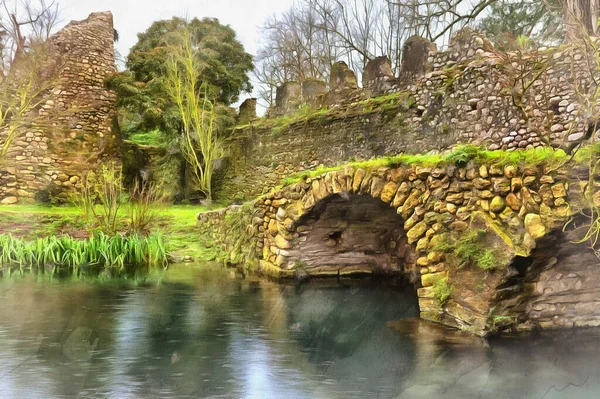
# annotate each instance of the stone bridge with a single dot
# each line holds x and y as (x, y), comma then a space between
(484, 245)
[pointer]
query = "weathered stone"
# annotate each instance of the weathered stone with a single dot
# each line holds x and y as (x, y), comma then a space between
(341, 78)
(377, 185)
(416, 232)
(358, 178)
(534, 225)
(287, 98)
(529, 181)
(481, 184)
(281, 214)
(415, 54)
(282, 243)
(428, 280)
(501, 185)
(456, 198)
(515, 184)
(483, 171)
(9, 200)
(558, 190)
(389, 191)
(498, 204)
(513, 202)
(459, 225)
(510, 171)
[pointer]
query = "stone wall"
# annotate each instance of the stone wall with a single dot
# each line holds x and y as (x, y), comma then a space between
(75, 128)
(308, 228)
(469, 94)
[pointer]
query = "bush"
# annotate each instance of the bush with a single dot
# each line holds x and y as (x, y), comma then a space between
(145, 201)
(100, 197)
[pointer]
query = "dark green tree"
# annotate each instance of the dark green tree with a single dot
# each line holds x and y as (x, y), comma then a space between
(143, 98)
(540, 20)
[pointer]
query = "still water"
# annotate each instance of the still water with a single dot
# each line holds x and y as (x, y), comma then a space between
(202, 332)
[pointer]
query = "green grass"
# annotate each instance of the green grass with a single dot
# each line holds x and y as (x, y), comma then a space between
(153, 137)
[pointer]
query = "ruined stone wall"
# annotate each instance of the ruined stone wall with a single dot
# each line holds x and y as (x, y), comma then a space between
(75, 128)
(469, 94)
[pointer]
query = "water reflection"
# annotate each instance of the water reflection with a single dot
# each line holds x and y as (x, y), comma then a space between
(202, 332)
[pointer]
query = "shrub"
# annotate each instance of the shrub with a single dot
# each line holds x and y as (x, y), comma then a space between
(145, 201)
(100, 197)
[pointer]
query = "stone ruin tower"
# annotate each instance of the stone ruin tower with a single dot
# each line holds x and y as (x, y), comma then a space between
(75, 128)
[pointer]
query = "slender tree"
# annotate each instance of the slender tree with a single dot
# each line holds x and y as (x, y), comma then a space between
(200, 145)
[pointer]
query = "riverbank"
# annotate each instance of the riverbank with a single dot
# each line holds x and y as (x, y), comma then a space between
(177, 223)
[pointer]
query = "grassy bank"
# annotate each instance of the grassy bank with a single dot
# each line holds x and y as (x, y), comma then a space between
(176, 224)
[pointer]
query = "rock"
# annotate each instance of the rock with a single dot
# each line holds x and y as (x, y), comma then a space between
(483, 171)
(282, 243)
(281, 214)
(428, 280)
(377, 186)
(546, 179)
(9, 201)
(416, 232)
(534, 225)
(513, 202)
(515, 184)
(558, 190)
(423, 261)
(481, 184)
(456, 198)
(575, 136)
(459, 225)
(498, 204)
(510, 171)
(357, 180)
(529, 181)
(501, 185)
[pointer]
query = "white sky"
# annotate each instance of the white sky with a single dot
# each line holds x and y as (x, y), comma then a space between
(134, 16)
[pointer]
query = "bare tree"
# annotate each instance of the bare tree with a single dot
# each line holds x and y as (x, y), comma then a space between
(295, 48)
(25, 72)
(581, 17)
(25, 24)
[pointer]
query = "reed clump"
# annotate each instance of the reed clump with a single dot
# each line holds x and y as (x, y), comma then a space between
(100, 250)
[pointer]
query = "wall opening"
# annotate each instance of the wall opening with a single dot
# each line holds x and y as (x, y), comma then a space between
(353, 234)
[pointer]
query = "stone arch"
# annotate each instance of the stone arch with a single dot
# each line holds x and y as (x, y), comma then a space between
(347, 233)
(513, 206)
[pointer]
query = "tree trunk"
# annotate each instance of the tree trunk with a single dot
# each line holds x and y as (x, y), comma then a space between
(581, 18)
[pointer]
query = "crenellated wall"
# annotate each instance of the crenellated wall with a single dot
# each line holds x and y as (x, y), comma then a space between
(74, 130)
(471, 93)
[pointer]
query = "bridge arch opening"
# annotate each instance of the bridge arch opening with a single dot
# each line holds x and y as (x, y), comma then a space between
(353, 234)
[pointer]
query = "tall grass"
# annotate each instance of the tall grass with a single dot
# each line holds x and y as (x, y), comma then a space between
(102, 250)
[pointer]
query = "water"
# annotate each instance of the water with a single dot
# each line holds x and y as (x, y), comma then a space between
(201, 332)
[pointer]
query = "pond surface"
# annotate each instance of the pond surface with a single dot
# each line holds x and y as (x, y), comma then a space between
(204, 333)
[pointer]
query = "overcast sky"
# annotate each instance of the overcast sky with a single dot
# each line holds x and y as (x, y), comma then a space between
(133, 16)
